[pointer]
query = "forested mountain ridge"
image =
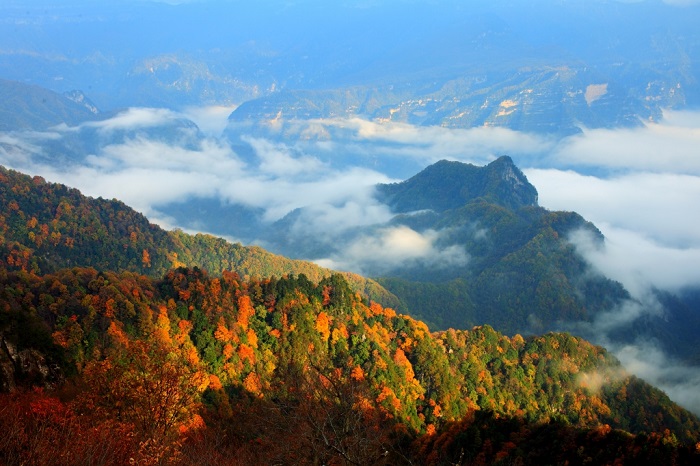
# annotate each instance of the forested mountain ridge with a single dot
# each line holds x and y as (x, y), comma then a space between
(277, 366)
(47, 226)
(525, 271)
(160, 368)
(521, 265)
(273, 123)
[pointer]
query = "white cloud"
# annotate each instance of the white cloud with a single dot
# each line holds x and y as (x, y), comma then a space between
(141, 188)
(639, 263)
(278, 160)
(212, 120)
(324, 220)
(392, 247)
(669, 146)
(15, 149)
(132, 118)
(679, 381)
(321, 190)
(210, 157)
(479, 145)
(656, 205)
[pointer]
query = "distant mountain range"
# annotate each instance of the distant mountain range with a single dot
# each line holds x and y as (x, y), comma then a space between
(556, 99)
(29, 107)
(551, 67)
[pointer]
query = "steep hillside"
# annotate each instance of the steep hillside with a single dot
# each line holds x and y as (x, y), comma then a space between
(522, 270)
(450, 185)
(45, 227)
(277, 366)
(523, 273)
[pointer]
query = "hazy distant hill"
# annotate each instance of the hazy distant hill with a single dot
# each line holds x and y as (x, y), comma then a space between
(516, 65)
(30, 107)
(557, 99)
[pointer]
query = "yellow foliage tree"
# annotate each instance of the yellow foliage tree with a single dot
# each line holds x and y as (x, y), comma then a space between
(245, 311)
(323, 325)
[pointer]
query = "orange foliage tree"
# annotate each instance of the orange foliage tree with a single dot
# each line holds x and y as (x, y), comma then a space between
(37, 428)
(148, 385)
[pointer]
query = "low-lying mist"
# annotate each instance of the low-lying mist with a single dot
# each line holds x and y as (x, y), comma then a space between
(638, 186)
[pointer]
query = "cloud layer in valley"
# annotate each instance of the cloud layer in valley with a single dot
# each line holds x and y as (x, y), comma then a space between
(389, 248)
(639, 186)
(643, 198)
(428, 144)
(148, 172)
(646, 182)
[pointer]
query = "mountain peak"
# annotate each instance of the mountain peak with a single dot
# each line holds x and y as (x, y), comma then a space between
(511, 183)
(449, 185)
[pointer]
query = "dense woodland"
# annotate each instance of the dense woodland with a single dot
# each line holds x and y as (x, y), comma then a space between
(114, 350)
(521, 267)
(46, 226)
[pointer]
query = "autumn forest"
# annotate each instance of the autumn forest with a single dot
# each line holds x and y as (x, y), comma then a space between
(122, 343)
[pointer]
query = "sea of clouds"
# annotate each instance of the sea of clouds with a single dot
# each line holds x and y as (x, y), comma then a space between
(638, 186)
